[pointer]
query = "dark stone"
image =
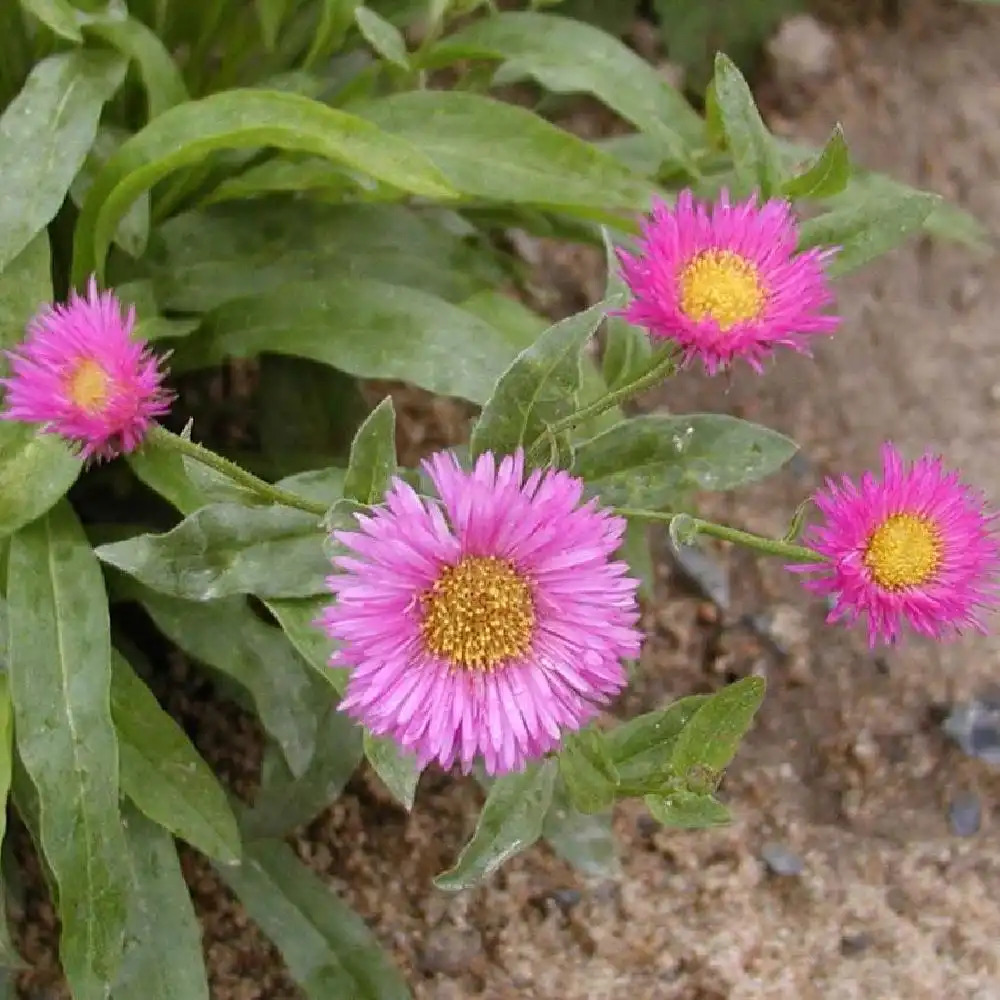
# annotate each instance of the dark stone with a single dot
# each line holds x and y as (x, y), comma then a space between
(566, 899)
(782, 861)
(855, 944)
(965, 814)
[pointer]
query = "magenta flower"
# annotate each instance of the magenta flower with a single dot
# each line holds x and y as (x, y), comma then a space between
(486, 624)
(917, 546)
(724, 281)
(81, 375)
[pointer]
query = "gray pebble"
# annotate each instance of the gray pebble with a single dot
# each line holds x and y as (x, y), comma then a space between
(855, 944)
(708, 575)
(781, 861)
(975, 727)
(965, 814)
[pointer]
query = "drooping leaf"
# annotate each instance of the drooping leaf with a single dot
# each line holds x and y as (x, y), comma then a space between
(397, 768)
(163, 774)
(650, 460)
(373, 456)
(284, 801)
(240, 119)
(45, 133)
(547, 47)
(538, 388)
(326, 946)
(711, 737)
(59, 665)
(163, 957)
(382, 35)
(866, 223)
(588, 771)
(685, 810)
(227, 636)
(297, 619)
(501, 153)
(363, 327)
(226, 549)
(827, 175)
(756, 159)
(511, 821)
(587, 842)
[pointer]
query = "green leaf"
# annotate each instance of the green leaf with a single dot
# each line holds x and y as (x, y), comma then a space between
(587, 842)
(397, 769)
(163, 774)
(511, 821)
(203, 259)
(756, 159)
(590, 775)
(498, 152)
(548, 47)
(6, 750)
(326, 946)
(227, 549)
(712, 735)
(25, 287)
(271, 15)
(160, 75)
(685, 810)
(635, 550)
(867, 224)
(59, 664)
(284, 801)
(627, 348)
(59, 16)
(538, 388)
(163, 956)
(363, 327)
(383, 36)
(45, 133)
(164, 471)
(227, 636)
(651, 460)
(240, 119)
(641, 749)
(297, 619)
(373, 456)
(829, 173)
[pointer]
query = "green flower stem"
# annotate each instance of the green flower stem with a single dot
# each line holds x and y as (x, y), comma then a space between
(272, 494)
(769, 546)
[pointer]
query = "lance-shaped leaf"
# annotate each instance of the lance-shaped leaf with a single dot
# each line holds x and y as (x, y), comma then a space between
(397, 768)
(373, 456)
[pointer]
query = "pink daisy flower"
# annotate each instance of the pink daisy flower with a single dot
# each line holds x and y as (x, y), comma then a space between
(917, 546)
(81, 375)
(487, 624)
(724, 281)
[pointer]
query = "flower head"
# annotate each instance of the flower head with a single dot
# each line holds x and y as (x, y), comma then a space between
(81, 375)
(724, 281)
(486, 624)
(917, 546)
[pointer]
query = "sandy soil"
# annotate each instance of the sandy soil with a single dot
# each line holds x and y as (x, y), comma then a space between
(847, 771)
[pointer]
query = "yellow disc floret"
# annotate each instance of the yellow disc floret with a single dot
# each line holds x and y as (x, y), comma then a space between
(478, 614)
(721, 285)
(88, 385)
(903, 551)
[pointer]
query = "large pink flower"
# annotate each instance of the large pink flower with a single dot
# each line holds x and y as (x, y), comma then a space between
(916, 546)
(486, 624)
(81, 375)
(724, 281)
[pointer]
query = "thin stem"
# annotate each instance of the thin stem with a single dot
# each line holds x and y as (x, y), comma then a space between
(266, 491)
(769, 546)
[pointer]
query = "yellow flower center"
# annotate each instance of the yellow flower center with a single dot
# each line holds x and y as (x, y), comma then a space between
(721, 285)
(478, 614)
(88, 386)
(903, 551)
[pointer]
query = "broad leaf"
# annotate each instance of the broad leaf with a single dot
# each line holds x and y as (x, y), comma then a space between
(685, 810)
(827, 175)
(363, 327)
(227, 549)
(326, 946)
(240, 119)
(59, 665)
(297, 619)
(756, 158)
(397, 768)
(651, 460)
(163, 956)
(163, 774)
(587, 842)
(45, 133)
(538, 388)
(511, 821)
(588, 771)
(498, 152)
(712, 735)
(373, 456)
(59, 16)
(284, 801)
(227, 636)
(383, 36)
